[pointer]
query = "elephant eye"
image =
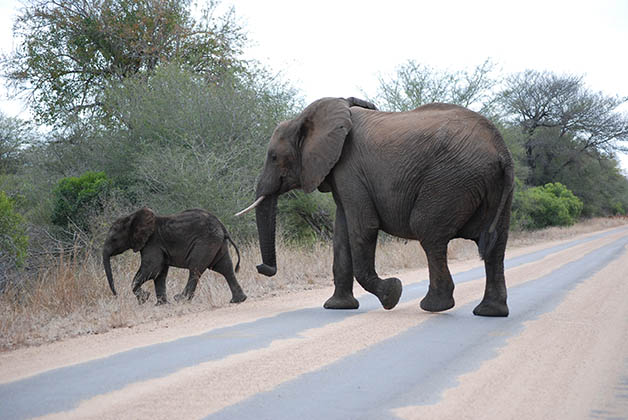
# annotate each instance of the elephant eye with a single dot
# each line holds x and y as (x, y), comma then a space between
(273, 157)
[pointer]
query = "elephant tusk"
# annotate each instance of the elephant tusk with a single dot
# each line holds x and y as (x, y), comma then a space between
(252, 206)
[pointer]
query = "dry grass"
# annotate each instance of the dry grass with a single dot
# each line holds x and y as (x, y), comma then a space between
(71, 297)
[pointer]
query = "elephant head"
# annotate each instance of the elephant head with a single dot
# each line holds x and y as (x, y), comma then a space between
(301, 153)
(130, 231)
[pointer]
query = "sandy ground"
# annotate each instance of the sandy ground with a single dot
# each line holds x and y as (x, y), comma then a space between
(571, 373)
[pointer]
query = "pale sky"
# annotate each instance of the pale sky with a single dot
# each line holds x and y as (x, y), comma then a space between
(338, 48)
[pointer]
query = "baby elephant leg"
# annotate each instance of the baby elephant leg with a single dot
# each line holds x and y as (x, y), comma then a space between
(139, 279)
(190, 287)
(224, 266)
(160, 286)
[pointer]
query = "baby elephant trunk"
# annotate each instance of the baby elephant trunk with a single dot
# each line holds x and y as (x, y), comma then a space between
(106, 260)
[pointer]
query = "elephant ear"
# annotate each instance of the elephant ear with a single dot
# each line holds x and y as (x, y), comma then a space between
(142, 227)
(324, 126)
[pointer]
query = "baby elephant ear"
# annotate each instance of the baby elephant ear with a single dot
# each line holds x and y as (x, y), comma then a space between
(142, 227)
(324, 126)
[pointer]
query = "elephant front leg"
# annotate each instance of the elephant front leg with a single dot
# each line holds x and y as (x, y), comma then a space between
(388, 291)
(440, 295)
(342, 266)
(139, 279)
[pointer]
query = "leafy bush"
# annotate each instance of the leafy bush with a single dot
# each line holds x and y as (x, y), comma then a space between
(186, 143)
(77, 198)
(306, 218)
(618, 209)
(549, 205)
(13, 239)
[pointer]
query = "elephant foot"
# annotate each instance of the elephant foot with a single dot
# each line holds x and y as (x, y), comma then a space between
(161, 301)
(142, 296)
(390, 292)
(491, 308)
(435, 302)
(238, 298)
(180, 297)
(342, 301)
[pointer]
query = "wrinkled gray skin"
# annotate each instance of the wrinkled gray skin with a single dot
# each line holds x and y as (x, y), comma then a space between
(193, 239)
(433, 174)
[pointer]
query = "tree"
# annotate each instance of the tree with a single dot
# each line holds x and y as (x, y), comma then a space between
(69, 53)
(552, 109)
(15, 135)
(416, 84)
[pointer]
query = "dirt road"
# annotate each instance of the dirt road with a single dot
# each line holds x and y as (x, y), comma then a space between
(562, 353)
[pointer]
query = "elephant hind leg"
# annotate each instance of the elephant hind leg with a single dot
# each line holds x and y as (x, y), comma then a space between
(160, 286)
(190, 287)
(494, 301)
(440, 295)
(224, 266)
(495, 296)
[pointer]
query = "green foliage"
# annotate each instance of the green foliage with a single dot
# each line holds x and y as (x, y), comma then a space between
(13, 239)
(590, 174)
(617, 208)
(549, 205)
(597, 180)
(76, 199)
(181, 142)
(417, 84)
(306, 218)
(171, 141)
(514, 141)
(562, 122)
(34, 181)
(69, 53)
(14, 136)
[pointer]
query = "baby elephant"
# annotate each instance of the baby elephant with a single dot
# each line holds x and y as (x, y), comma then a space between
(193, 239)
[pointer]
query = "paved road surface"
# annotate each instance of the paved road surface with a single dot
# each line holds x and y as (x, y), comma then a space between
(562, 353)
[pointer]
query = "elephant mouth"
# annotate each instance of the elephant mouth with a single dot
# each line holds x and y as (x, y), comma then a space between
(285, 185)
(283, 188)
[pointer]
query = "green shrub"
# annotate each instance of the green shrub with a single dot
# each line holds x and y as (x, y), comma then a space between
(13, 239)
(185, 143)
(617, 209)
(306, 218)
(549, 205)
(78, 198)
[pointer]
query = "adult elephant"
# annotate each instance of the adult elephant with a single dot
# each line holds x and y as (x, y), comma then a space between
(433, 174)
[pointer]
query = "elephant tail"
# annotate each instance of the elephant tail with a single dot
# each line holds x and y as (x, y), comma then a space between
(237, 267)
(489, 236)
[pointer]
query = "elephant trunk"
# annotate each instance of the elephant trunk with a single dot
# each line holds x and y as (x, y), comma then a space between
(266, 215)
(106, 260)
